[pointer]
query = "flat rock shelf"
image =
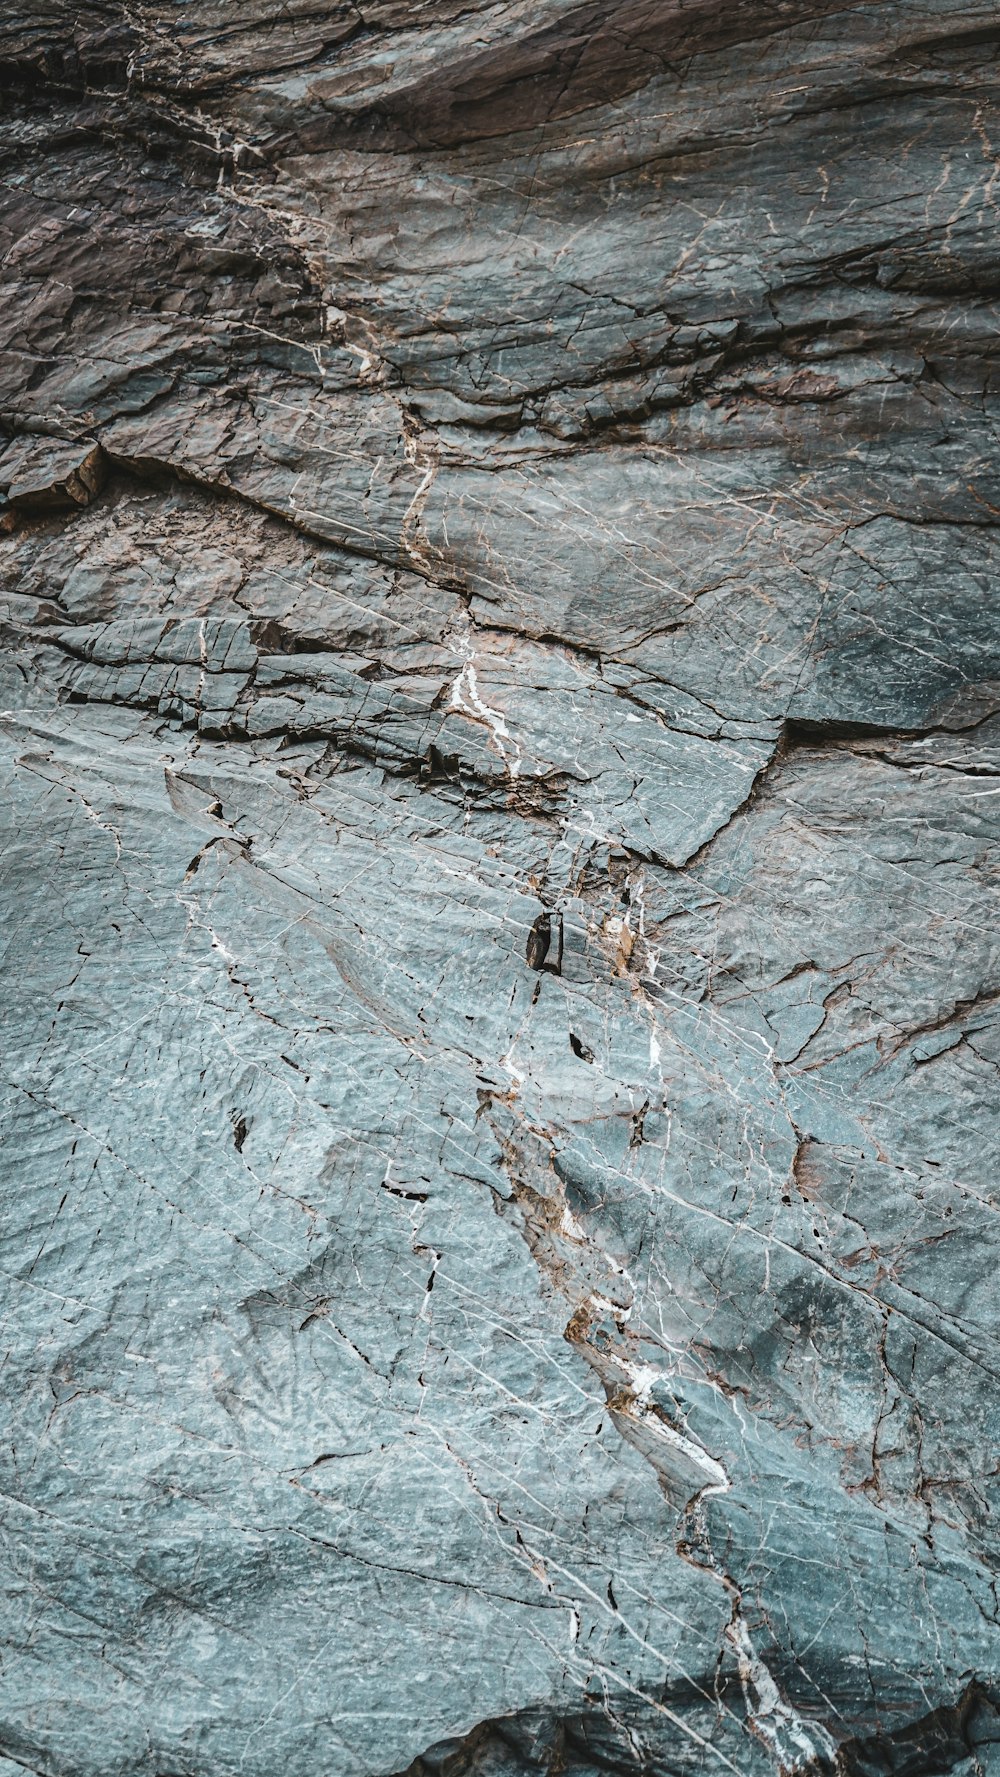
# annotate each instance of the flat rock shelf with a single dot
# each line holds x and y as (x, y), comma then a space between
(500, 759)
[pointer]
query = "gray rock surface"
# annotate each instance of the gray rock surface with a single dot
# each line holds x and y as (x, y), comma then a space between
(501, 757)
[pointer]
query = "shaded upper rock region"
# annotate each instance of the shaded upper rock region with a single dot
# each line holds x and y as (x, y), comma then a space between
(500, 743)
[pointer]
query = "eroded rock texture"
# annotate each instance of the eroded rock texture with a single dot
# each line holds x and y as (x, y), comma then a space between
(500, 783)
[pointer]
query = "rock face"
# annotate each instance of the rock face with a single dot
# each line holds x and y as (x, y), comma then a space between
(501, 760)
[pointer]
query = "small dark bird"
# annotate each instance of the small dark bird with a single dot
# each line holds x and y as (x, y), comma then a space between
(539, 939)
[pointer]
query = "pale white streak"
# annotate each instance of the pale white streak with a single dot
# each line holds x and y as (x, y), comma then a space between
(465, 697)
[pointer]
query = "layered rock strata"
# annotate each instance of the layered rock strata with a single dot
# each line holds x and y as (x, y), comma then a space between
(501, 759)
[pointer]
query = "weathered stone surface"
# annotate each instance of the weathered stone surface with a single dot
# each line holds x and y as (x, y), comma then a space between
(500, 755)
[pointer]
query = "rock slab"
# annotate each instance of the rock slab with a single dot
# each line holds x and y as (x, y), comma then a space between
(500, 748)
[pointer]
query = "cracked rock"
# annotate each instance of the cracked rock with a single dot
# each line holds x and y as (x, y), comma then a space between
(500, 746)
